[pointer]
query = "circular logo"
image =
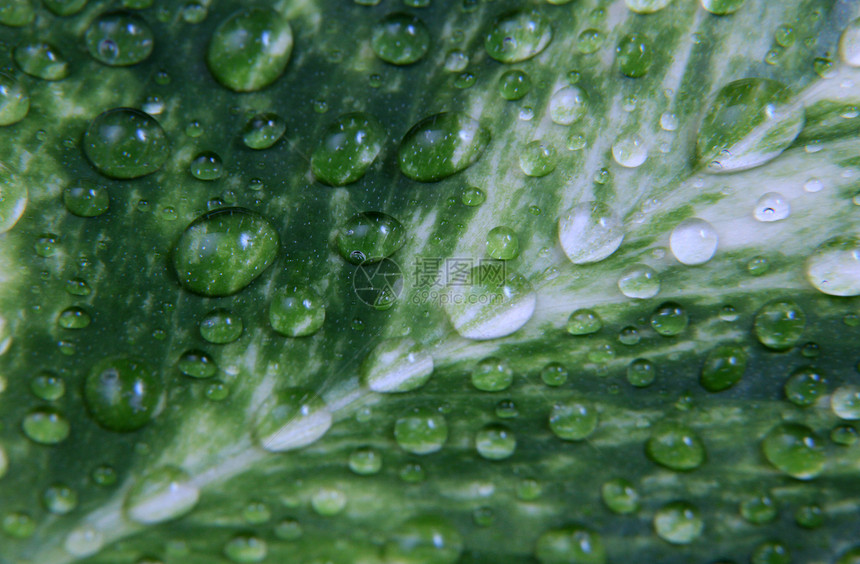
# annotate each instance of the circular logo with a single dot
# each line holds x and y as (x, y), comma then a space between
(379, 283)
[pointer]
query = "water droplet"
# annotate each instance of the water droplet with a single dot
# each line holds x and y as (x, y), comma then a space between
(104, 475)
(46, 426)
(41, 60)
(456, 61)
(161, 495)
(74, 318)
(573, 545)
(584, 322)
(400, 39)
(507, 409)
(421, 432)
(17, 13)
(48, 386)
(122, 394)
(849, 44)
(770, 552)
(779, 324)
(554, 374)
(60, 499)
(668, 121)
(590, 41)
(46, 245)
(492, 301)
(675, 446)
(784, 35)
(844, 435)
(795, 450)
(290, 419)
(620, 496)
(348, 147)
(207, 166)
(365, 461)
(750, 122)
(639, 281)
(641, 373)
(678, 522)
(328, 501)
(693, 241)
(834, 266)
(14, 98)
(495, 442)
(759, 509)
(18, 525)
(812, 517)
(425, 539)
(630, 152)
(194, 12)
(250, 49)
(845, 402)
(197, 364)
(771, 207)
(473, 196)
(573, 420)
(635, 55)
(289, 530)
(669, 319)
(722, 7)
(723, 368)
(246, 548)
(514, 84)
(263, 130)
(568, 105)
(518, 36)
(412, 473)
(86, 199)
(83, 541)
(119, 39)
(296, 311)
(126, 143)
(369, 237)
(590, 232)
(492, 375)
(629, 336)
(805, 386)
(221, 326)
(538, 158)
(223, 251)
(646, 6)
(442, 145)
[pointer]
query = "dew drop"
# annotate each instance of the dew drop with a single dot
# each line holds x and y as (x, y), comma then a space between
(590, 232)
(771, 207)
(119, 39)
(347, 148)
(693, 241)
(639, 281)
(125, 143)
(518, 36)
(400, 39)
(568, 105)
(290, 419)
(441, 145)
(163, 494)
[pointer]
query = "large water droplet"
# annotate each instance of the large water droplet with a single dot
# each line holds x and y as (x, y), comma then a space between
(126, 143)
(669, 319)
(296, 311)
(442, 145)
(573, 420)
(845, 402)
(590, 232)
(771, 207)
(425, 539)
(779, 324)
(620, 496)
(805, 386)
(421, 432)
(567, 105)
(678, 522)
(60, 499)
(635, 55)
(396, 365)
(221, 326)
(263, 130)
(291, 418)
(630, 152)
(86, 199)
(122, 394)
(250, 49)
(834, 266)
(849, 44)
(723, 368)
(495, 442)
(693, 241)
(584, 322)
(41, 60)
(514, 85)
(795, 450)
(538, 158)
(400, 39)
(207, 166)
(503, 243)
(722, 7)
(161, 495)
(197, 364)
(369, 237)
(17, 13)
(46, 426)
(639, 281)
(223, 251)
(517, 36)
(675, 446)
(13, 202)
(119, 39)
(492, 302)
(492, 375)
(750, 122)
(570, 545)
(347, 148)
(14, 99)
